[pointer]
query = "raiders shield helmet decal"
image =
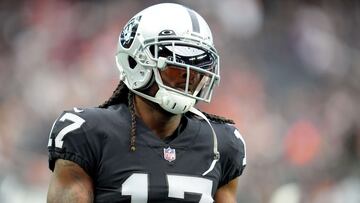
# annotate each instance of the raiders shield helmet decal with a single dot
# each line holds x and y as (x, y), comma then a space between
(128, 34)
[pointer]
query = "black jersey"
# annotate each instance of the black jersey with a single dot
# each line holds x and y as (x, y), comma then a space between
(159, 170)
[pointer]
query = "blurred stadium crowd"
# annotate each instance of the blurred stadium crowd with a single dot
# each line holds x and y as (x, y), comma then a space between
(290, 79)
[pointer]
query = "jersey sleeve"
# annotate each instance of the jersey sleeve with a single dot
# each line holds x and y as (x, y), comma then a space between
(233, 155)
(69, 140)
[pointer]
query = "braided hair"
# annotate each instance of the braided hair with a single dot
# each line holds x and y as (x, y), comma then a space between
(122, 95)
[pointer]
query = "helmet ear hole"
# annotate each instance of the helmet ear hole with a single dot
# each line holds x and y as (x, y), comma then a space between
(149, 83)
(132, 62)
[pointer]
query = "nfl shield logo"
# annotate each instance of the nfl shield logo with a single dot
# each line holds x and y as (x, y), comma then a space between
(169, 154)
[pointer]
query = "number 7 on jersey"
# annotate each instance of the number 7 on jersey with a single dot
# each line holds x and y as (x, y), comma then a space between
(77, 122)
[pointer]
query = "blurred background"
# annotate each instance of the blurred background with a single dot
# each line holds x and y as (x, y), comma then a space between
(290, 79)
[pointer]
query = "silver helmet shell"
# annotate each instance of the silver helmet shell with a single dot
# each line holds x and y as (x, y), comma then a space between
(168, 34)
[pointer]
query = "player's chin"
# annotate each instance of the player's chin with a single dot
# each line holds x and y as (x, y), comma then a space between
(165, 112)
(158, 108)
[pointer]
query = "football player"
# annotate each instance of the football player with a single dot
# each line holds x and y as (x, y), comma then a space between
(148, 143)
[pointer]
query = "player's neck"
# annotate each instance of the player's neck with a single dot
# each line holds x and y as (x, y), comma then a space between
(161, 122)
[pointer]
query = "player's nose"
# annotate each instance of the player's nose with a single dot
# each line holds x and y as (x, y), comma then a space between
(192, 77)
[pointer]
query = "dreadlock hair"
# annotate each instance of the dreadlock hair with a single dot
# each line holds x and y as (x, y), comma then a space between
(119, 96)
(218, 119)
(122, 95)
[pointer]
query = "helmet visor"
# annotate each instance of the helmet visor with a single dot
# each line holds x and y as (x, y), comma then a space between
(187, 55)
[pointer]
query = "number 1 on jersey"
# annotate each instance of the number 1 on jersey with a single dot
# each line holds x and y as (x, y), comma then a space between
(137, 187)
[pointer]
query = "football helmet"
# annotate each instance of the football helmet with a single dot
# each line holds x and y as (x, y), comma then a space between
(162, 35)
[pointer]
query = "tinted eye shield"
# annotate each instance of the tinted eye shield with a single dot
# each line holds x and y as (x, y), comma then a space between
(181, 54)
(183, 51)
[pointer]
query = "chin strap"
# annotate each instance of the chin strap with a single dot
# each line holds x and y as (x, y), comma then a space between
(216, 152)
